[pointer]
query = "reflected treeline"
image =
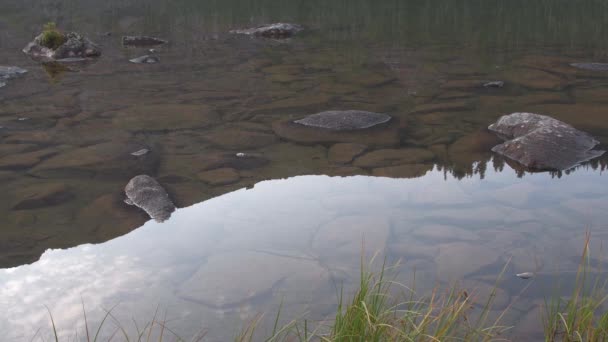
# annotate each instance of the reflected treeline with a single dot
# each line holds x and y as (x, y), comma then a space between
(474, 23)
(498, 164)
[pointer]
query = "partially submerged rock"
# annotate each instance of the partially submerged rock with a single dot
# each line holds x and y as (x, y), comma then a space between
(591, 66)
(74, 46)
(144, 192)
(276, 31)
(146, 59)
(344, 120)
(10, 72)
(142, 41)
(543, 143)
(341, 127)
(494, 84)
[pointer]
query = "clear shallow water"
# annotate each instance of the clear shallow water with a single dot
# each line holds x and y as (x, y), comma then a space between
(218, 263)
(214, 95)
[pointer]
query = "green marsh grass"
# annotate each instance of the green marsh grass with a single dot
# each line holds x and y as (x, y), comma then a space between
(582, 316)
(383, 309)
(52, 38)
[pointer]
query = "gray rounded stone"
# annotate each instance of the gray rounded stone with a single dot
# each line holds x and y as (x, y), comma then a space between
(144, 192)
(344, 120)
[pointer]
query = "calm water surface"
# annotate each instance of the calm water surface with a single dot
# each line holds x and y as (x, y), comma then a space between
(288, 220)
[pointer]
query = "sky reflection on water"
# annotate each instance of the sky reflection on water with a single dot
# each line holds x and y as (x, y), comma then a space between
(306, 231)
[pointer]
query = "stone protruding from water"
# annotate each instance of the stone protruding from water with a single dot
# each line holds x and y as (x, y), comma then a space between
(344, 120)
(146, 59)
(543, 143)
(350, 126)
(75, 46)
(275, 31)
(144, 192)
(9, 72)
(494, 84)
(142, 41)
(591, 66)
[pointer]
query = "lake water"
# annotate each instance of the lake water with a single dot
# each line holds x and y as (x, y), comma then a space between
(286, 223)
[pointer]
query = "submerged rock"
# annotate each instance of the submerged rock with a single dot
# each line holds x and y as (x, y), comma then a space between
(249, 276)
(146, 59)
(343, 153)
(142, 41)
(276, 31)
(344, 120)
(543, 143)
(108, 160)
(44, 195)
(75, 46)
(221, 176)
(144, 192)
(591, 66)
(393, 157)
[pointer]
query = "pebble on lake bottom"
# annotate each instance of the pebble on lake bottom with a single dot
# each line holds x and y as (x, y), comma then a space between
(525, 275)
(140, 152)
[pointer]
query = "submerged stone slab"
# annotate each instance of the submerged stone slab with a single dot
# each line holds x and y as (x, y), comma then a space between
(42, 195)
(142, 41)
(276, 31)
(344, 120)
(543, 143)
(393, 157)
(343, 153)
(144, 192)
(75, 46)
(227, 281)
(108, 159)
(591, 66)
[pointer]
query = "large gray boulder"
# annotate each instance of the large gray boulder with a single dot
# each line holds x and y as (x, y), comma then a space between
(341, 120)
(75, 47)
(275, 31)
(543, 143)
(144, 192)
